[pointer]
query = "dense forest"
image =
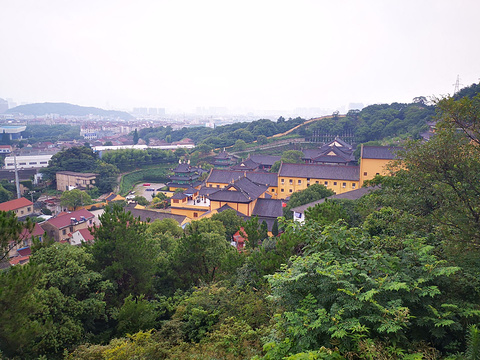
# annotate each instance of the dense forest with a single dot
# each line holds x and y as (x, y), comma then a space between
(223, 136)
(393, 275)
(373, 123)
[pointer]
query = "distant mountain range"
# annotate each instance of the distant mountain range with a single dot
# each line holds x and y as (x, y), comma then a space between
(65, 109)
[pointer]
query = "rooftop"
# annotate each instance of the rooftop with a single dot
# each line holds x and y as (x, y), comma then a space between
(77, 174)
(332, 172)
(65, 219)
(15, 204)
(380, 152)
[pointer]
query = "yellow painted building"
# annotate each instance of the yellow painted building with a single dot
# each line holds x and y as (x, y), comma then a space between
(374, 161)
(297, 177)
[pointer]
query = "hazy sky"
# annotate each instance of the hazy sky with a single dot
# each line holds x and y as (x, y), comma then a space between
(260, 54)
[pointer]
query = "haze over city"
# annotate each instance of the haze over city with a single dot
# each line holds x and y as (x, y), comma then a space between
(249, 55)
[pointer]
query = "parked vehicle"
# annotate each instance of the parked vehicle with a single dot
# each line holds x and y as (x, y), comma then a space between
(147, 184)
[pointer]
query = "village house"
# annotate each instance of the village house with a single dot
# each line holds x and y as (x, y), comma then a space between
(68, 180)
(21, 207)
(62, 227)
(80, 236)
(20, 251)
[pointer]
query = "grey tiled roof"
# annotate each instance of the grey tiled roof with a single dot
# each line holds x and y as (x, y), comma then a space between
(263, 178)
(242, 191)
(349, 195)
(248, 164)
(226, 207)
(267, 160)
(224, 176)
(333, 172)
(271, 208)
(153, 215)
(380, 152)
(205, 191)
(185, 168)
(178, 196)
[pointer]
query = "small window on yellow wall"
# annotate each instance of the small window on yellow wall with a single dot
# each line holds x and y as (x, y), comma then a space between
(316, 182)
(354, 185)
(326, 183)
(283, 181)
(282, 190)
(344, 185)
(291, 181)
(290, 190)
(195, 214)
(299, 182)
(334, 183)
(365, 173)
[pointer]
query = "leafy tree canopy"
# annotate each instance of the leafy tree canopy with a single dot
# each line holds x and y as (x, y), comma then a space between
(312, 193)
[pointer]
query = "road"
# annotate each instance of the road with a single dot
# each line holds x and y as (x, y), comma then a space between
(142, 190)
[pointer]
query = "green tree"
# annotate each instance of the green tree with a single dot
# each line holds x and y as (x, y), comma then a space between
(230, 220)
(122, 253)
(77, 159)
(240, 145)
(5, 195)
(200, 253)
(165, 225)
(160, 200)
(312, 193)
(136, 313)
(135, 137)
(275, 228)
(292, 156)
(463, 113)
(253, 232)
(12, 232)
(327, 213)
(347, 291)
(108, 143)
(5, 139)
(18, 330)
(75, 198)
(55, 303)
(108, 175)
(262, 139)
(203, 148)
(141, 200)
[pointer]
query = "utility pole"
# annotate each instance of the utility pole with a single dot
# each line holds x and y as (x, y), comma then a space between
(17, 181)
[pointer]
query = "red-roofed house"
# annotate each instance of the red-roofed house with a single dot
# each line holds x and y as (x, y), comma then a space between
(20, 251)
(81, 236)
(5, 149)
(21, 207)
(61, 227)
(239, 240)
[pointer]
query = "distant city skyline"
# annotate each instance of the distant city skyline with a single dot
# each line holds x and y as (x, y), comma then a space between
(258, 56)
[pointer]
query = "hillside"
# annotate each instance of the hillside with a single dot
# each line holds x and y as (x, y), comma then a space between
(65, 109)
